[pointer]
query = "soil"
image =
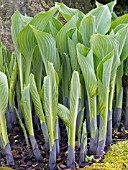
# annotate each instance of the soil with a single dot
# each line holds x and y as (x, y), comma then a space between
(24, 159)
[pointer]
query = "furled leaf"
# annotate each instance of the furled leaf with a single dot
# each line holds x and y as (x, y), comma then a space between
(25, 102)
(104, 75)
(2, 67)
(80, 126)
(3, 93)
(37, 67)
(51, 101)
(3, 105)
(15, 29)
(13, 82)
(87, 67)
(87, 29)
(119, 75)
(74, 103)
(36, 99)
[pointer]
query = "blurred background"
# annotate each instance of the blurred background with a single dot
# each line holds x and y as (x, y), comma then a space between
(31, 7)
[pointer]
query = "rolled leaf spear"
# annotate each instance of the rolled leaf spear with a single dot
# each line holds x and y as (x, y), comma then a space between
(85, 59)
(3, 106)
(27, 114)
(69, 117)
(50, 94)
(103, 73)
(126, 111)
(39, 109)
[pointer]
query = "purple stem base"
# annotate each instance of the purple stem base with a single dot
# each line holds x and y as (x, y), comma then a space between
(109, 129)
(117, 117)
(52, 158)
(100, 148)
(71, 157)
(93, 146)
(126, 119)
(8, 153)
(35, 148)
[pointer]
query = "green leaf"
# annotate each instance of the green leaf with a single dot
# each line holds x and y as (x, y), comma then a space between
(2, 66)
(3, 93)
(89, 158)
(104, 70)
(26, 19)
(51, 101)
(66, 12)
(120, 20)
(103, 44)
(63, 113)
(26, 106)
(47, 47)
(73, 55)
(12, 62)
(104, 75)
(122, 38)
(86, 63)
(15, 29)
(13, 82)
(36, 99)
(101, 97)
(87, 29)
(102, 19)
(61, 38)
(87, 67)
(80, 132)
(3, 105)
(74, 103)
(27, 40)
(55, 26)
(119, 90)
(84, 138)
(37, 67)
(26, 36)
(108, 43)
(110, 5)
(103, 100)
(66, 78)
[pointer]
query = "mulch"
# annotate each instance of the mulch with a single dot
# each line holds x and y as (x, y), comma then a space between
(24, 158)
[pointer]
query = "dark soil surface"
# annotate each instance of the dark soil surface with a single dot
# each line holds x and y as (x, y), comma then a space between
(24, 158)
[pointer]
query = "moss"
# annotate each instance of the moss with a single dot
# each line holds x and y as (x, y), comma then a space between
(5, 168)
(115, 159)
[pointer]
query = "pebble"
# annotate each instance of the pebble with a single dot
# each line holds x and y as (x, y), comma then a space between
(29, 163)
(18, 157)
